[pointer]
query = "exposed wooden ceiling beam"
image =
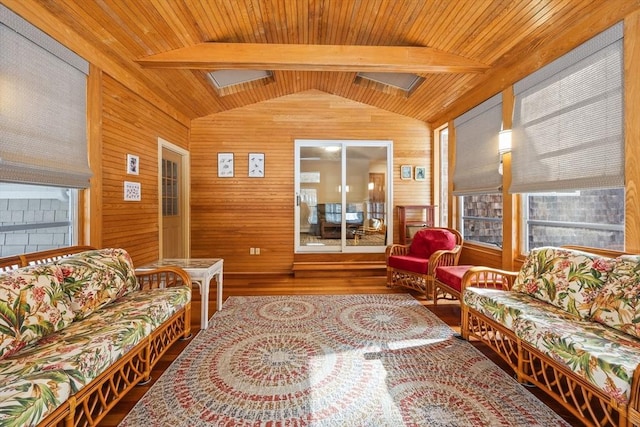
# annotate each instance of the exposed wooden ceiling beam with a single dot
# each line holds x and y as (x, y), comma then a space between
(310, 57)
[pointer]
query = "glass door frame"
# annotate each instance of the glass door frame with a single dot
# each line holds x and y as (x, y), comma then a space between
(344, 144)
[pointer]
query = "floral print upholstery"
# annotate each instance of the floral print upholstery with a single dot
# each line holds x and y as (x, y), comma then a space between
(602, 356)
(95, 278)
(578, 309)
(568, 279)
(32, 305)
(45, 373)
(618, 303)
(82, 351)
(506, 307)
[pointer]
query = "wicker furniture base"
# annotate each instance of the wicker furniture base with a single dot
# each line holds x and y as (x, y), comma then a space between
(416, 270)
(530, 366)
(503, 319)
(89, 405)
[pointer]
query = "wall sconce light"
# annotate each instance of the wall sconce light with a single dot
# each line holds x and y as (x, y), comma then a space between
(371, 186)
(504, 141)
(504, 146)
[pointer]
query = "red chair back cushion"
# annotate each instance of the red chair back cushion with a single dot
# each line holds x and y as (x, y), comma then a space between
(428, 240)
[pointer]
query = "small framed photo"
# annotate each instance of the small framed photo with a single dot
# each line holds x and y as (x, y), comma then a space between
(405, 172)
(421, 173)
(256, 165)
(225, 165)
(133, 164)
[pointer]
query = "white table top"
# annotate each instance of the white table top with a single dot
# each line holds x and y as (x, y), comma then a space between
(183, 263)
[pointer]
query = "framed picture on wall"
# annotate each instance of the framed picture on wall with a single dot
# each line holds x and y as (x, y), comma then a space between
(256, 165)
(421, 173)
(405, 172)
(133, 164)
(225, 165)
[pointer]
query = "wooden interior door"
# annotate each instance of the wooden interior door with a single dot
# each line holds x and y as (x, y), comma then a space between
(172, 202)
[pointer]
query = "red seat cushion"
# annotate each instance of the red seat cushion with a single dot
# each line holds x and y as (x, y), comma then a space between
(452, 275)
(409, 263)
(428, 240)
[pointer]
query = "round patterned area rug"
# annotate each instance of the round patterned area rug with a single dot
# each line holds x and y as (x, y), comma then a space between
(343, 360)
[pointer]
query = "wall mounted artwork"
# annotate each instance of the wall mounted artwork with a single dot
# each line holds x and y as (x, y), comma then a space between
(225, 165)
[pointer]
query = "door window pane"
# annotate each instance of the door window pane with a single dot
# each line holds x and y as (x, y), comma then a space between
(342, 196)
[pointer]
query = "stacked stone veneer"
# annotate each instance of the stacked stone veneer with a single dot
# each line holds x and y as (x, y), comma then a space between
(21, 211)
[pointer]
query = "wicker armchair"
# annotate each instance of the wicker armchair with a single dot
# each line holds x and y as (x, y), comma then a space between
(412, 266)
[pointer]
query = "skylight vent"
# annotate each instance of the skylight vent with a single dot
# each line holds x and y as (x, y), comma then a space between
(392, 83)
(227, 82)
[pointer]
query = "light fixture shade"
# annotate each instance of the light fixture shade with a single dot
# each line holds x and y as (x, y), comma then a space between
(504, 141)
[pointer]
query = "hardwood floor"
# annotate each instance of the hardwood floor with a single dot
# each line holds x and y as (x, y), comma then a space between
(448, 311)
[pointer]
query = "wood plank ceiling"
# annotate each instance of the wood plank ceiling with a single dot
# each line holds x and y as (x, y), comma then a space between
(493, 33)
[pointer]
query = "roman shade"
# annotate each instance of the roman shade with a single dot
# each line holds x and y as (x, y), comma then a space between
(568, 120)
(42, 108)
(477, 157)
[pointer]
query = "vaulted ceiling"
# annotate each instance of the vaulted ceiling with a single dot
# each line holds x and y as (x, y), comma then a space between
(457, 46)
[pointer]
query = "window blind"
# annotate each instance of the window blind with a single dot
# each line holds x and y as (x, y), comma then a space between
(477, 158)
(42, 108)
(568, 120)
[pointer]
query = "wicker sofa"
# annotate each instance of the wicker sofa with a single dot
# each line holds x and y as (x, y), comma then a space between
(78, 329)
(567, 322)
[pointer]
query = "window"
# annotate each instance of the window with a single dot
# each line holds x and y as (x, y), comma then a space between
(442, 165)
(482, 218)
(35, 218)
(477, 178)
(43, 154)
(568, 147)
(593, 218)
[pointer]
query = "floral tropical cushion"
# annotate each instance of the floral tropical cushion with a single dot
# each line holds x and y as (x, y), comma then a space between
(95, 278)
(81, 352)
(568, 279)
(506, 306)
(618, 303)
(27, 400)
(32, 305)
(602, 356)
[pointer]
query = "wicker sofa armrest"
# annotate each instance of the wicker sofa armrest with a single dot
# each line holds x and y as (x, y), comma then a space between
(164, 277)
(487, 277)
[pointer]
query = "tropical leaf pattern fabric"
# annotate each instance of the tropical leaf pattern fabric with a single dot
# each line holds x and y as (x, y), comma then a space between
(95, 278)
(602, 356)
(568, 279)
(64, 323)
(505, 307)
(79, 353)
(32, 305)
(618, 304)
(579, 309)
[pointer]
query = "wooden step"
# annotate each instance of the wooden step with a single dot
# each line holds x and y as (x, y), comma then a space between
(339, 269)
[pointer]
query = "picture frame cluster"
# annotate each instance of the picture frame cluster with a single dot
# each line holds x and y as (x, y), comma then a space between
(417, 173)
(255, 165)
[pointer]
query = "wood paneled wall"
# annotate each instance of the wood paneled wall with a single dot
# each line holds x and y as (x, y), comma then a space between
(132, 125)
(231, 215)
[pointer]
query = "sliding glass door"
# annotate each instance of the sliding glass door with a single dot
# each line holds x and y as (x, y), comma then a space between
(342, 195)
